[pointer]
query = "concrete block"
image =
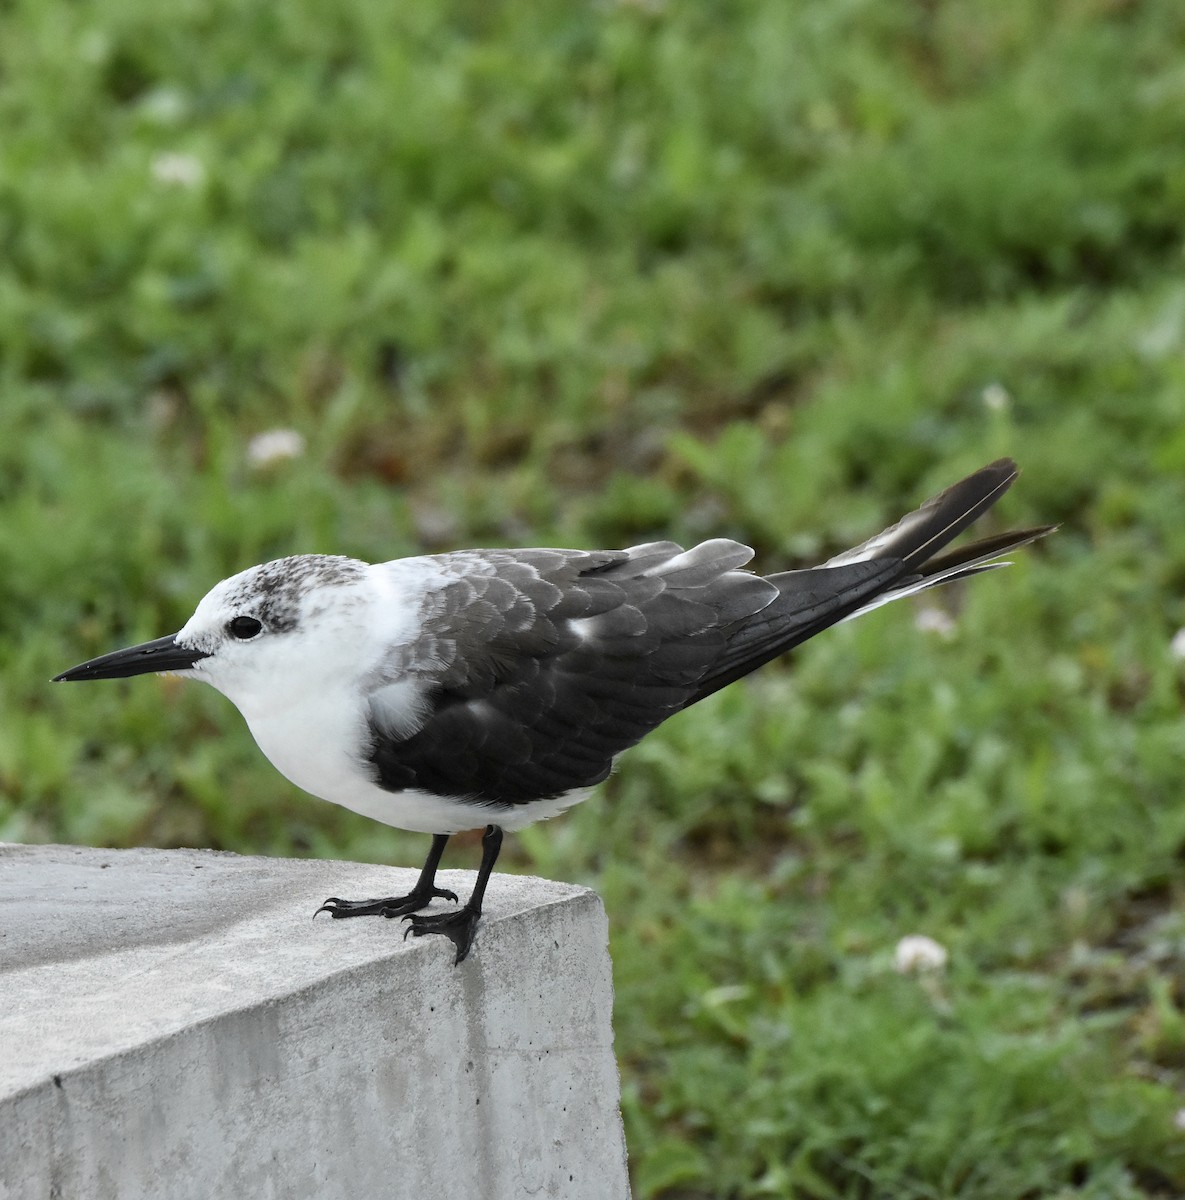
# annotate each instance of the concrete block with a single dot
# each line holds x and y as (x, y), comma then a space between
(173, 1025)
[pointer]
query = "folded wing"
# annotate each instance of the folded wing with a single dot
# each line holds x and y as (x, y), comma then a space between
(535, 668)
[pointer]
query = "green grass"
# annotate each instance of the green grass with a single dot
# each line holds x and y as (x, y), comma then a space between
(589, 274)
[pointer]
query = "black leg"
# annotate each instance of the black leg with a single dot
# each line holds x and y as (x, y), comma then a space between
(461, 925)
(419, 897)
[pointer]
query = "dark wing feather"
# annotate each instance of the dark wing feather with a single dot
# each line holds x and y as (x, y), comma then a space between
(546, 664)
(900, 561)
(919, 535)
(808, 602)
(538, 667)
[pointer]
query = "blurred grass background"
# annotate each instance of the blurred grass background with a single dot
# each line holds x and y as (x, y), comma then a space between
(543, 273)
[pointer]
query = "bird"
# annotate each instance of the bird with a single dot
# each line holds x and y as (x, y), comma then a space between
(489, 689)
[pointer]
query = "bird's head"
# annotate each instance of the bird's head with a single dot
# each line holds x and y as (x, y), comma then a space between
(262, 637)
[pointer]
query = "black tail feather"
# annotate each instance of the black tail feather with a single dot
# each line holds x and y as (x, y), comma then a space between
(897, 562)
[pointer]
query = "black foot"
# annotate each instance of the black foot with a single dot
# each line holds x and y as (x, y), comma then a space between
(387, 906)
(459, 927)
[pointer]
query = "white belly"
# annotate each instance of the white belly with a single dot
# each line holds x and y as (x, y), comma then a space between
(305, 744)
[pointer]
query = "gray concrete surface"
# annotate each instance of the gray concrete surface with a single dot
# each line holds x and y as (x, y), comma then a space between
(173, 1025)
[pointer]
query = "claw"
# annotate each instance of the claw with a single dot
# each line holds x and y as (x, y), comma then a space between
(459, 927)
(386, 906)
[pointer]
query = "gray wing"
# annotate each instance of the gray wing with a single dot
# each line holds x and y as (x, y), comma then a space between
(540, 666)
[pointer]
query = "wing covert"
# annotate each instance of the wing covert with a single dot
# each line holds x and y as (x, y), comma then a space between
(535, 668)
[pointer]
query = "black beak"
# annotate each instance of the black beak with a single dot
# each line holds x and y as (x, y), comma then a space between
(162, 655)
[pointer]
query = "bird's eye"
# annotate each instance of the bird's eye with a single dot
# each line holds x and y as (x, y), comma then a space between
(243, 628)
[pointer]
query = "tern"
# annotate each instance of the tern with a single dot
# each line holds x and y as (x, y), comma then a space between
(493, 688)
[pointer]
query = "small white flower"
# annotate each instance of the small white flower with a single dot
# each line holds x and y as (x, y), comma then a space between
(995, 398)
(163, 105)
(1177, 645)
(274, 446)
(1179, 1119)
(932, 619)
(178, 170)
(918, 953)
